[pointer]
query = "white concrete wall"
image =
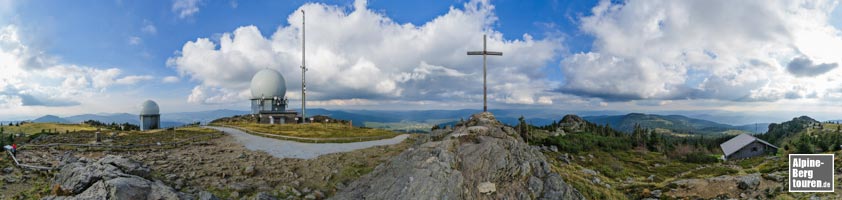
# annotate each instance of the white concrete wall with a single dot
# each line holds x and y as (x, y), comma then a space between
(150, 122)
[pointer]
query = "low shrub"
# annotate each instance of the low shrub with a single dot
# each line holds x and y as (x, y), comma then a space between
(700, 158)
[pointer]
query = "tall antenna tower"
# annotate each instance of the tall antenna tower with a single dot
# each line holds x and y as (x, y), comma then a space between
(303, 71)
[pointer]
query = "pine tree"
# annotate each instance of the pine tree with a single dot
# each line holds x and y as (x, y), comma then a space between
(521, 125)
(654, 141)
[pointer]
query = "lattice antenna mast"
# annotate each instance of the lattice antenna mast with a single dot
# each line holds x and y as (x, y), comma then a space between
(303, 71)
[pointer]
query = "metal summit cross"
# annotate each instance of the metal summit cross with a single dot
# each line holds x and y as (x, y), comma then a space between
(484, 52)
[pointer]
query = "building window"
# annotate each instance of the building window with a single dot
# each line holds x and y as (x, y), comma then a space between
(753, 149)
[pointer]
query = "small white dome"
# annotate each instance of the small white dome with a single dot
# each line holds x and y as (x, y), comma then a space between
(149, 107)
(268, 83)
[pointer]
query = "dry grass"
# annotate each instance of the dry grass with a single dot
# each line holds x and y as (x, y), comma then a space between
(314, 130)
(33, 128)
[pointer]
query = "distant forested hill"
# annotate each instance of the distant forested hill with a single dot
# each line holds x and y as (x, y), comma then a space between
(674, 123)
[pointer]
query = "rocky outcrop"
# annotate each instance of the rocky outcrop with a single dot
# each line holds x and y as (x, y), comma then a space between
(111, 177)
(479, 159)
(749, 182)
(572, 123)
(749, 186)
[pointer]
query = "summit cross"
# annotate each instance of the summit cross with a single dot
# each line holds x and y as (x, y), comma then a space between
(484, 52)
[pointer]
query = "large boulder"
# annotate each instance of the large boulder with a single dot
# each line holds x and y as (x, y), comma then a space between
(572, 123)
(749, 182)
(111, 177)
(77, 176)
(125, 165)
(480, 159)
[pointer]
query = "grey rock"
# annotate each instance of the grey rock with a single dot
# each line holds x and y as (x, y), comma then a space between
(318, 194)
(76, 177)
(128, 188)
(486, 188)
(126, 165)
(184, 195)
(112, 177)
(263, 196)
(565, 157)
(179, 183)
(171, 176)
(478, 130)
(295, 192)
(97, 191)
(340, 186)
(536, 186)
(8, 170)
(686, 183)
(779, 176)
(656, 193)
(10, 180)
(589, 172)
(162, 191)
(749, 182)
(240, 187)
(205, 195)
(484, 153)
(556, 188)
(249, 171)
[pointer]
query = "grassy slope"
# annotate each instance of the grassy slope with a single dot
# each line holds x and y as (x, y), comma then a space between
(33, 128)
(38, 185)
(313, 130)
(615, 168)
(143, 139)
(424, 126)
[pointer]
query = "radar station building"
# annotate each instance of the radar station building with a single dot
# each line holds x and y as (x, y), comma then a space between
(268, 102)
(150, 118)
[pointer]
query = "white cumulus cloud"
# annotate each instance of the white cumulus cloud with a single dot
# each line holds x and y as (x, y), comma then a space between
(134, 40)
(149, 28)
(170, 79)
(32, 78)
(725, 50)
(185, 8)
(361, 55)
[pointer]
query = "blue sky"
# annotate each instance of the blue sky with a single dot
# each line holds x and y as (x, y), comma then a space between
(96, 33)
(75, 57)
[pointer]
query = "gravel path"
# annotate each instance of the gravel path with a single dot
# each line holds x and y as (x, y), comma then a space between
(291, 149)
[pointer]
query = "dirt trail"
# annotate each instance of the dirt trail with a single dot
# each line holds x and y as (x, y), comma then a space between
(292, 149)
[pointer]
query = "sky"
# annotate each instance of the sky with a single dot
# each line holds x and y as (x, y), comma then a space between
(77, 57)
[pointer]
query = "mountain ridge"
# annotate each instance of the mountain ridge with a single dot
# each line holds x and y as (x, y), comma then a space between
(674, 123)
(429, 117)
